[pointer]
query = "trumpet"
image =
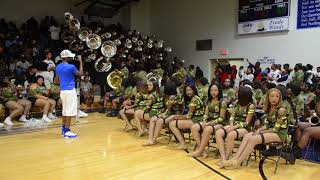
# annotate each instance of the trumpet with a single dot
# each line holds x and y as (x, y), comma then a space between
(314, 120)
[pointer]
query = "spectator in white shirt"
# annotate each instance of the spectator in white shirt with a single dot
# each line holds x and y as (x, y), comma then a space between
(54, 32)
(310, 73)
(47, 76)
(274, 74)
(23, 65)
(49, 61)
(248, 75)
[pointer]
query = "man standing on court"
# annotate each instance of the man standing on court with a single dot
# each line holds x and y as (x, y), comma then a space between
(66, 73)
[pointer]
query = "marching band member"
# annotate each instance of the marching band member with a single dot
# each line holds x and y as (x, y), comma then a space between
(240, 123)
(213, 119)
(173, 103)
(194, 115)
(273, 130)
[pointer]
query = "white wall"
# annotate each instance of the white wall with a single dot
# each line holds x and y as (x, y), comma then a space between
(182, 22)
(19, 11)
(140, 16)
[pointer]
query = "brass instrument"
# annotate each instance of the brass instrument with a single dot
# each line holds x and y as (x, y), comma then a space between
(109, 49)
(168, 49)
(154, 77)
(314, 120)
(106, 35)
(102, 65)
(84, 33)
(117, 42)
(76, 45)
(68, 16)
(114, 79)
(74, 24)
(160, 44)
(179, 76)
(93, 41)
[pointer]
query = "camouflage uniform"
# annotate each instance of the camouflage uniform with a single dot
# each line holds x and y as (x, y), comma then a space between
(140, 101)
(257, 93)
(271, 122)
(197, 115)
(214, 112)
(289, 111)
(9, 94)
(173, 104)
(240, 115)
(192, 73)
(125, 72)
(141, 76)
(307, 96)
(203, 93)
(130, 92)
(119, 91)
(229, 93)
(159, 72)
(297, 77)
(299, 104)
(154, 104)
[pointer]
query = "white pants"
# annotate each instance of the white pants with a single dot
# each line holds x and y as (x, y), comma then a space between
(69, 102)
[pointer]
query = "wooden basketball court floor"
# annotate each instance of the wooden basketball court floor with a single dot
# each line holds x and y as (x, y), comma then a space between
(104, 151)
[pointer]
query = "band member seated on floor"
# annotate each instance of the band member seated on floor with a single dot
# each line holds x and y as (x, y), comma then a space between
(140, 101)
(274, 129)
(174, 103)
(194, 115)
(154, 107)
(241, 118)
(306, 131)
(130, 91)
(213, 119)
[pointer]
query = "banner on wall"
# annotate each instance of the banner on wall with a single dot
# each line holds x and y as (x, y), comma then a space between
(266, 61)
(268, 25)
(308, 14)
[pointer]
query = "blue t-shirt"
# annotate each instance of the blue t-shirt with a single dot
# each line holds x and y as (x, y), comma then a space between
(66, 74)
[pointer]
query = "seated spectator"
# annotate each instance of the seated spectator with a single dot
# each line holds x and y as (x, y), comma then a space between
(9, 97)
(86, 91)
(39, 96)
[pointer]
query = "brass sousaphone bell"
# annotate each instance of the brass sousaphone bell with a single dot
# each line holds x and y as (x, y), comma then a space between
(154, 77)
(114, 79)
(93, 41)
(84, 33)
(314, 120)
(108, 50)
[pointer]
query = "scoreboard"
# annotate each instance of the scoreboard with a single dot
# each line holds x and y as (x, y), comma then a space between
(262, 10)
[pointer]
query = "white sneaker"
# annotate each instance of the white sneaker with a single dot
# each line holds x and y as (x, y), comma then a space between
(23, 119)
(1, 125)
(82, 114)
(46, 119)
(8, 121)
(70, 134)
(51, 116)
